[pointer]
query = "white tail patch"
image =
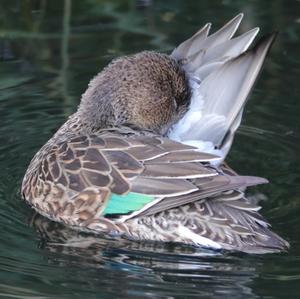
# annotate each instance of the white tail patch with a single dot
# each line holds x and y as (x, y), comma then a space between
(198, 240)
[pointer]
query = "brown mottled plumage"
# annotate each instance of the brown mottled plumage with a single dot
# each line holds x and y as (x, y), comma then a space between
(111, 168)
(148, 90)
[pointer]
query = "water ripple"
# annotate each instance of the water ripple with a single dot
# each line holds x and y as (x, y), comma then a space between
(41, 85)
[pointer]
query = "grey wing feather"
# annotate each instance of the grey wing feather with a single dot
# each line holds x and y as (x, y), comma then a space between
(218, 55)
(185, 49)
(243, 71)
(200, 41)
(233, 69)
(206, 187)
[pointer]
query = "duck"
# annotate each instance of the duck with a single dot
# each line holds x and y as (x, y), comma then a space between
(143, 157)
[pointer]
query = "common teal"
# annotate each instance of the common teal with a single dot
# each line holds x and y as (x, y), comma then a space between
(142, 158)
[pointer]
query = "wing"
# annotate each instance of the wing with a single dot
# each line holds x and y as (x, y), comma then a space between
(117, 175)
(218, 60)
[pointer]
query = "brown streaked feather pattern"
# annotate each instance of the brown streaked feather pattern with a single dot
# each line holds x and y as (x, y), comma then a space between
(113, 161)
(116, 161)
(72, 180)
(227, 219)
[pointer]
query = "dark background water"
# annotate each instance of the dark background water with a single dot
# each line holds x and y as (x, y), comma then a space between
(49, 50)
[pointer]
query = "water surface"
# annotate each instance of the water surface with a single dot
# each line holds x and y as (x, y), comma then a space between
(49, 50)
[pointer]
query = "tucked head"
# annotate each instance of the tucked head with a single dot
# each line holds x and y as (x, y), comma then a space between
(147, 90)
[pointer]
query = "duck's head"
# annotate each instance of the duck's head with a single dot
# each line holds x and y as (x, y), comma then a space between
(148, 91)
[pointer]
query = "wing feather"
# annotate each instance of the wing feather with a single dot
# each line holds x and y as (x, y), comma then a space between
(226, 63)
(200, 41)
(206, 187)
(112, 166)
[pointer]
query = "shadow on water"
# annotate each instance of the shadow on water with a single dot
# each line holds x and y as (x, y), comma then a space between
(48, 52)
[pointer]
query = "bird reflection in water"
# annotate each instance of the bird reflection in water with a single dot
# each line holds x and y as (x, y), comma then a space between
(198, 271)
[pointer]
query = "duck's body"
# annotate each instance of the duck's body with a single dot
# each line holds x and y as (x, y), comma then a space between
(112, 168)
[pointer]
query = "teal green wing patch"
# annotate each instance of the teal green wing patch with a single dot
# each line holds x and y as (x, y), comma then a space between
(124, 204)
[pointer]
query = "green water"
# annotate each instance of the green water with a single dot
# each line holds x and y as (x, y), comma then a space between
(48, 52)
